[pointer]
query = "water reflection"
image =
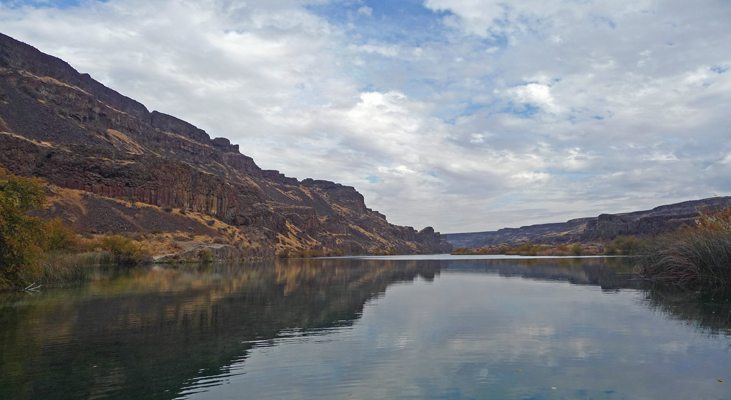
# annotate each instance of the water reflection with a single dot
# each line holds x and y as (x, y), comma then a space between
(172, 332)
(708, 309)
(608, 273)
(148, 334)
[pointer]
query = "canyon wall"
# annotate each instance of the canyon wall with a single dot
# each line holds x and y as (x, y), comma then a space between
(71, 130)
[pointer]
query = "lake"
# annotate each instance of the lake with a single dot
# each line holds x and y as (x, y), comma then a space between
(420, 327)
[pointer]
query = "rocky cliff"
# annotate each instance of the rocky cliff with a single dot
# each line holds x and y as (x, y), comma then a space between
(602, 228)
(79, 135)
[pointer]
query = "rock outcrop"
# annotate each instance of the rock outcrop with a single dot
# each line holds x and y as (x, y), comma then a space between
(71, 130)
(602, 228)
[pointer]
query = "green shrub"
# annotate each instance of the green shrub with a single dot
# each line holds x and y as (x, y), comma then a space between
(577, 249)
(627, 245)
(21, 236)
(125, 251)
(313, 253)
(60, 238)
(205, 256)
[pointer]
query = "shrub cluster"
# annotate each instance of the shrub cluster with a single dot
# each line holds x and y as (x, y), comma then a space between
(528, 249)
(310, 253)
(124, 251)
(33, 249)
(624, 245)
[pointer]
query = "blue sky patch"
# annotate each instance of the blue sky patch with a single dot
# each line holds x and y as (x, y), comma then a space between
(523, 110)
(373, 179)
(403, 22)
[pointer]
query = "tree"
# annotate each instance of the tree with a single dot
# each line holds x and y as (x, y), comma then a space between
(21, 235)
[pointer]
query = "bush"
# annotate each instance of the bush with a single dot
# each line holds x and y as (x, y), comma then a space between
(60, 237)
(313, 253)
(627, 245)
(525, 248)
(577, 249)
(125, 251)
(205, 256)
(21, 236)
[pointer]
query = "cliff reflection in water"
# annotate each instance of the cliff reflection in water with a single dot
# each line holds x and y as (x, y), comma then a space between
(156, 332)
(148, 334)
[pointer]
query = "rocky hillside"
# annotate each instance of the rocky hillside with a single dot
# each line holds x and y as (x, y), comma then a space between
(602, 228)
(116, 167)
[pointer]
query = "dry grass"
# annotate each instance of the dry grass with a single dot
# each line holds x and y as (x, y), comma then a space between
(80, 267)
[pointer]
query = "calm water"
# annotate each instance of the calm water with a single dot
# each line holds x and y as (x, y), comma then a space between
(390, 328)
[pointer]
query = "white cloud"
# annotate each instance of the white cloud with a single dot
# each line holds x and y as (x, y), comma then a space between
(386, 51)
(534, 94)
(365, 10)
(491, 115)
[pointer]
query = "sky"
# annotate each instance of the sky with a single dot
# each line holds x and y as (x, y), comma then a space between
(464, 115)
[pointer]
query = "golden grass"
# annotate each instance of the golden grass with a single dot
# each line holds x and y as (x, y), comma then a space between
(54, 81)
(129, 145)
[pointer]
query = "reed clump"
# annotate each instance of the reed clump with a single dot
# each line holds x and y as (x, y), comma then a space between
(697, 254)
(74, 267)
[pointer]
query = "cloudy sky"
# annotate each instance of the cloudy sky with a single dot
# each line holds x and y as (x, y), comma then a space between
(465, 115)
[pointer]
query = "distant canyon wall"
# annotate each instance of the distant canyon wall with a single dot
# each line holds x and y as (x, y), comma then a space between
(605, 227)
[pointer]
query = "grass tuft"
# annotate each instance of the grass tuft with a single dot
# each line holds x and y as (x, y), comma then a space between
(700, 254)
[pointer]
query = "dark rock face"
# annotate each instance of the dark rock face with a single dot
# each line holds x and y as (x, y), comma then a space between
(73, 131)
(604, 227)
